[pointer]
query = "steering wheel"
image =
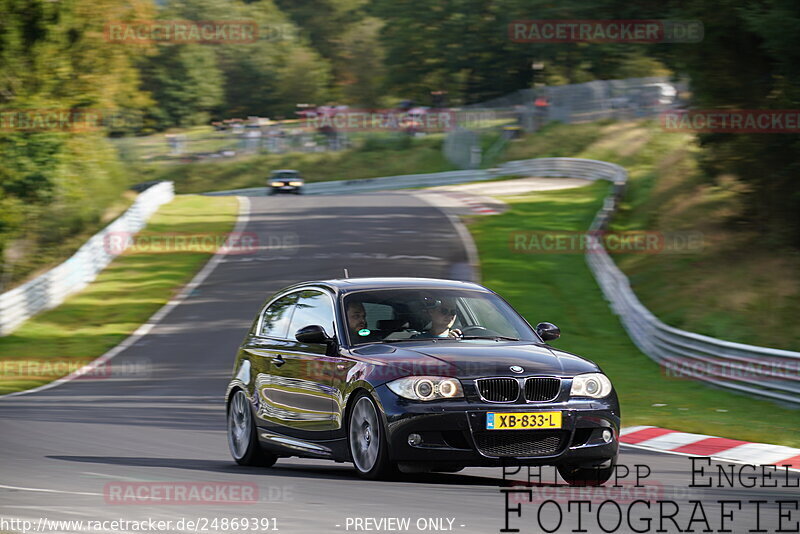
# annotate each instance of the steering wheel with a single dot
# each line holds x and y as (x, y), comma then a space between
(478, 331)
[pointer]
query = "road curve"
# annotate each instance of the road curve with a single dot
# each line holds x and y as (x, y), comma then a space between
(63, 448)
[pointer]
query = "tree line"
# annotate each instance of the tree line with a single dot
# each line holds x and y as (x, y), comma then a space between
(367, 53)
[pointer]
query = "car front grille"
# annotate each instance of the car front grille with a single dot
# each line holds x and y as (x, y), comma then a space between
(542, 389)
(519, 443)
(498, 389)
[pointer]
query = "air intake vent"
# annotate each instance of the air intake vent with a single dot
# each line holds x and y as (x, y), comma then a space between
(519, 442)
(542, 389)
(498, 389)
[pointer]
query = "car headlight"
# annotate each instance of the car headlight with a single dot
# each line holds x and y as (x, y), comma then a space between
(594, 385)
(427, 388)
(276, 184)
(296, 184)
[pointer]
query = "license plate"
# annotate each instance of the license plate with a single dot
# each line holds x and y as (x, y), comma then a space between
(522, 421)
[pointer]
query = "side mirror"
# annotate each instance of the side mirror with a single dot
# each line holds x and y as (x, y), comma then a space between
(312, 334)
(548, 331)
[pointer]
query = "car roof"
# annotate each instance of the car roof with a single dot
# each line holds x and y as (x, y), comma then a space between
(285, 171)
(348, 285)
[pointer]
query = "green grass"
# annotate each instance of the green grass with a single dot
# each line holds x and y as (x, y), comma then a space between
(555, 140)
(561, 289)
(698, 289)
(123, 296)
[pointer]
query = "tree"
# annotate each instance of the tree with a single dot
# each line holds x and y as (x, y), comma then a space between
(53, 56)
(363, 71)
(748, 59)
(185, 82)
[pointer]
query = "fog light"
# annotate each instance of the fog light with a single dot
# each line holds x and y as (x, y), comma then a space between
(414, 439)
(606, 436)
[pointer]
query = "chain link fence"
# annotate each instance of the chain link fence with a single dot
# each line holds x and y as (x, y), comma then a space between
(530, 109)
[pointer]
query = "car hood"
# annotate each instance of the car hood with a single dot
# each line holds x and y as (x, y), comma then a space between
(478, 358)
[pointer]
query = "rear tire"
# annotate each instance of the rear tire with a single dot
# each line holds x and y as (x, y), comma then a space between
(366, 439)
(243, 436)
(587, 476)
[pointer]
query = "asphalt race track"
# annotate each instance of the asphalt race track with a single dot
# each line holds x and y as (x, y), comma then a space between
(66, 449)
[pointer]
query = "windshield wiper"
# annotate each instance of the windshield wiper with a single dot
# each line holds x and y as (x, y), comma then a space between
(504, 338)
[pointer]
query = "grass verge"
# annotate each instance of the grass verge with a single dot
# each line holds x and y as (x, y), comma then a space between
(560, 288)
(386, 156)
(133, 287)
(741, 276)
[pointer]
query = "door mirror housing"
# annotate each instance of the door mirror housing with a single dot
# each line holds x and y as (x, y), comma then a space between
(312, 334)
(548, 331)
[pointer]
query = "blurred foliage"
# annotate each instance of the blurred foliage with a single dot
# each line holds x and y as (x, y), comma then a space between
(367, 53)
(57, 184)
(463, 47)
(186, 84)
(748, 59)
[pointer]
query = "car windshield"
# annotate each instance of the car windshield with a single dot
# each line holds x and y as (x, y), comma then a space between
(396, 315)
(291, 175)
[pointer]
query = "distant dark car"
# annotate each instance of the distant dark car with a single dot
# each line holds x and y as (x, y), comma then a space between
(357, 370)
(285, 181)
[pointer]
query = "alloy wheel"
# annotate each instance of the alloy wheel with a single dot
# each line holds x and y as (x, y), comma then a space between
(365, 435)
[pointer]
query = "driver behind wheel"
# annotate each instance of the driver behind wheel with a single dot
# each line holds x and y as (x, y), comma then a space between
(442, 315)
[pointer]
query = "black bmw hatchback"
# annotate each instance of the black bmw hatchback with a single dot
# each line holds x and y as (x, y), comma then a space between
(415, 374)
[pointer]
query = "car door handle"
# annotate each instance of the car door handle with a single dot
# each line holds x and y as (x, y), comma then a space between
(278, 360)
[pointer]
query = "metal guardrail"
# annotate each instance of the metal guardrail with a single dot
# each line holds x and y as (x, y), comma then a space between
(366, 185)
(564, 167)
(760, 371)
(765, 372)
(53, 287)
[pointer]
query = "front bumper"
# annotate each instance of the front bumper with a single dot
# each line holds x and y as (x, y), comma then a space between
(288, 189)
(454, 432)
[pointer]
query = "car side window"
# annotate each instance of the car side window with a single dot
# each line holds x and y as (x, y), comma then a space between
(276, 318)
(313, 307)
(377, 312)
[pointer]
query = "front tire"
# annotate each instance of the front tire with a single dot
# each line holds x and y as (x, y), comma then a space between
(366, 438)
(587, 476)
(242, 434)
